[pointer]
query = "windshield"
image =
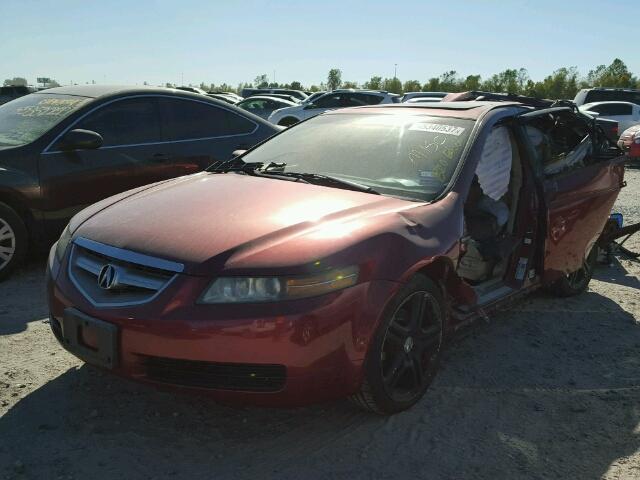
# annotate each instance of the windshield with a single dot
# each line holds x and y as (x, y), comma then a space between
(407, 156)
(25, 119)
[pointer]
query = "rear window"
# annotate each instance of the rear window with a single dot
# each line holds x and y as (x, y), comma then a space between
(612, 96)
(613, 109)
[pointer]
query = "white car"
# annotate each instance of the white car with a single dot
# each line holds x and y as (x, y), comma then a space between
(436, 96)
(627, 114)
(331, 101)
(423, 100)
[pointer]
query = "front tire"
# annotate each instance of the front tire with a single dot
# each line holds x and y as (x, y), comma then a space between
(405, 352)
(13, 240)
(578, 281)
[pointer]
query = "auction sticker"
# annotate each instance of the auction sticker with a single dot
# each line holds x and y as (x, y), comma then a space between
(438, 128)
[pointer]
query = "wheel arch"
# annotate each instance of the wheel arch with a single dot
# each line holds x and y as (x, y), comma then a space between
(14, 202)
(288, 121)
(442, 271)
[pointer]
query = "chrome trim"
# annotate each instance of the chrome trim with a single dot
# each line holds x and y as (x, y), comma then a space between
(129, 256)
(87, 296)
(46, 151)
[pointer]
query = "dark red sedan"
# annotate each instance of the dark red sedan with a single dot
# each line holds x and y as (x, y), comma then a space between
(629, 142)
(334, 259)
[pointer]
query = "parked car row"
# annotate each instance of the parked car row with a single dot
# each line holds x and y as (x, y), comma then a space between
(271, 277)
(66, 148)
(340, 98)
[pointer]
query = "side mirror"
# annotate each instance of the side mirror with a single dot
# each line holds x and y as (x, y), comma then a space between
(237, 153)
(81, 140)
(310, 106)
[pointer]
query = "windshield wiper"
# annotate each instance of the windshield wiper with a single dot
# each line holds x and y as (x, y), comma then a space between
(273, 169)
(238, 165)
(324, 180)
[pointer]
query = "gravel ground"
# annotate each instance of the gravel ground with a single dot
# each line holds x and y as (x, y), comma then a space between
(547, 389)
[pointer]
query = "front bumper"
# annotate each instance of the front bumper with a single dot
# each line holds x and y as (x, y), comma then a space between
(319, 343)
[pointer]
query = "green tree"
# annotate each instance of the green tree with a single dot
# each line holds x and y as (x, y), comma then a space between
(349, 84)
(261, 81)
(314, 88)
(412, 86)
(296, 86)
(393, 85)
(472, 82)
(615, 75)
(449, 82)
(432, 85)
(16, 81)
(334, 78)
(375, 83)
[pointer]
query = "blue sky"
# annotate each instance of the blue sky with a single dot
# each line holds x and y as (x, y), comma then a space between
(115, 41)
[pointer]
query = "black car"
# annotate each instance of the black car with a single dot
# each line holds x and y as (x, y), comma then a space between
(603, 94)
(65, 148)
(11, 92)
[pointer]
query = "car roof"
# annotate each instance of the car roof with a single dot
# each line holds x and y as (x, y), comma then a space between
(97, 91)
(269, 97)
(608, 102)
(612, 89)
(471, 110)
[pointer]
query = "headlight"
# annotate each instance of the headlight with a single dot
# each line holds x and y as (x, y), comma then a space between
(63, 243)
(273, 289)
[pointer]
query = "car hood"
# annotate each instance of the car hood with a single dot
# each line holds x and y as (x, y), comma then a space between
(212, 222)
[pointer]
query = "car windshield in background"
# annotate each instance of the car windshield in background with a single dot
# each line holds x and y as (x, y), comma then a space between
(407, 156)
(25, 119)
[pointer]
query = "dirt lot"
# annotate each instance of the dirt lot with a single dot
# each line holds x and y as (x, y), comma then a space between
(547, 389)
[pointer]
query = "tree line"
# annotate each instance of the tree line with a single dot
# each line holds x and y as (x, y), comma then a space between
(562, 83)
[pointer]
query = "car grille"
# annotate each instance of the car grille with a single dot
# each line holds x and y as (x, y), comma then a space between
(215, 376)
(134, 282)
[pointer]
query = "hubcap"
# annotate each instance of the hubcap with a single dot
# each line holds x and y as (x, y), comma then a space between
(7, 243)
(411, 343)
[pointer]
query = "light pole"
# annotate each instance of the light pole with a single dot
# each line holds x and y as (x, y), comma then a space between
(395, 70)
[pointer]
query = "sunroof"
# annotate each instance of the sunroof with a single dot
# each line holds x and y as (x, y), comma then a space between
(446, 105)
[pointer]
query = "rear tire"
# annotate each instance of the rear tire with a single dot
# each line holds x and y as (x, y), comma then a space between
(405, 352)
(13, 240)
(578, 281)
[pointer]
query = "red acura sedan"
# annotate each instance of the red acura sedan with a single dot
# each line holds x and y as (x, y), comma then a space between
(334, 259)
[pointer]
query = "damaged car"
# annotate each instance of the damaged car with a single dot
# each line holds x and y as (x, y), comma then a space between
(336, 259)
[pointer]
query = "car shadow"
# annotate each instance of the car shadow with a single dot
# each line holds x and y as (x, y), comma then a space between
(547, 389)
(616, 273)
(23, 296)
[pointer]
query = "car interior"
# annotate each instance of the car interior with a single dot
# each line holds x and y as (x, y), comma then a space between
(490, 213)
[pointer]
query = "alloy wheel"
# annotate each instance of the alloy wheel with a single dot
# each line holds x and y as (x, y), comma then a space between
(7, 243)
(410, 347)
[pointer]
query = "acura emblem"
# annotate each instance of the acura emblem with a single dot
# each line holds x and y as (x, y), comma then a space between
(108, 277)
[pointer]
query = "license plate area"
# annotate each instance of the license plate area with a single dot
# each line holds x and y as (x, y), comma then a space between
(93, 340)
